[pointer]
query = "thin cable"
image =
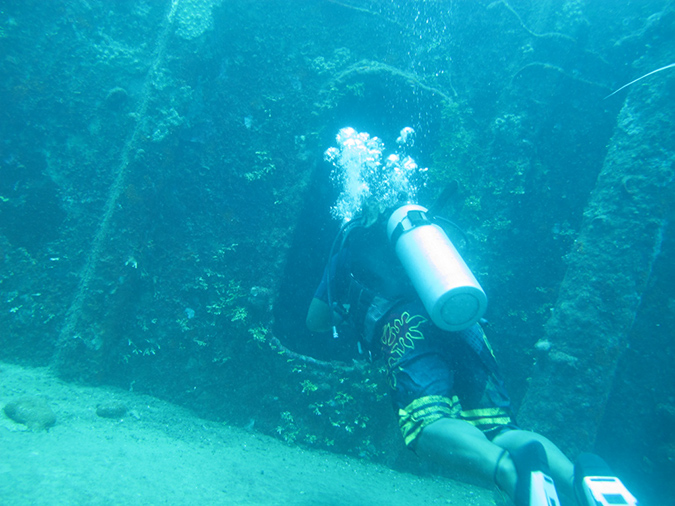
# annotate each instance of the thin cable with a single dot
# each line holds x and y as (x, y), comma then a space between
(69, 328)
(639, 79)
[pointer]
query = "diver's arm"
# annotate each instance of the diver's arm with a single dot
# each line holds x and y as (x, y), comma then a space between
(318, 316)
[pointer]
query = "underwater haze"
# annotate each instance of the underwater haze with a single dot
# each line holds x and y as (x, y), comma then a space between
(166, 210)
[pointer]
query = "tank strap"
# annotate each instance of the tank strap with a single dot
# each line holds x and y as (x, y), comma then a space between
(414, 218)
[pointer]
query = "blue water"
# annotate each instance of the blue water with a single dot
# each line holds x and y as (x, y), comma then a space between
(165, 205)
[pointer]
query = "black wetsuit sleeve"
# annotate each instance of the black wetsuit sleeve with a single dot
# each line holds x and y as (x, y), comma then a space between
(335, 276)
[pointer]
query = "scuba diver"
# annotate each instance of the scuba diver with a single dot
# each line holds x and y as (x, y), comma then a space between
(395, 281)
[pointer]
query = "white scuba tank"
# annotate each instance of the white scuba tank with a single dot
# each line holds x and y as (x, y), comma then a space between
(449, 291)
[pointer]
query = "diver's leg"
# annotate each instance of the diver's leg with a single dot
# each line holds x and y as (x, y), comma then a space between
(464, 449)
(562, 469)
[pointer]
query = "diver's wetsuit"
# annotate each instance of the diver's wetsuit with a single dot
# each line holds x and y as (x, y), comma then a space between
(432, 373)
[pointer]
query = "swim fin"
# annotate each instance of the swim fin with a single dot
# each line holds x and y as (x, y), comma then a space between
(596, 485)
(534, 486)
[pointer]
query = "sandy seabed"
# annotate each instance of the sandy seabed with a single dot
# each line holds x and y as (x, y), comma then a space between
(159, 453)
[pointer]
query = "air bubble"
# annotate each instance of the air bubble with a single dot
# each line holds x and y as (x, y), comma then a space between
(359, 171)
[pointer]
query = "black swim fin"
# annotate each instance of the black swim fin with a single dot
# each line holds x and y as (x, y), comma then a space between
(534, 486)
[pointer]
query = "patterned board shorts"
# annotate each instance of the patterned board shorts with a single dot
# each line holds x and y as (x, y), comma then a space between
(438, 374)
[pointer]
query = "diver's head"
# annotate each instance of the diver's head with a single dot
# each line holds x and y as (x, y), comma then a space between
(374, 210)
(370, 213)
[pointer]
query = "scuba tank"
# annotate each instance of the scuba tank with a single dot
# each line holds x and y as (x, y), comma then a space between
(449, 291)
